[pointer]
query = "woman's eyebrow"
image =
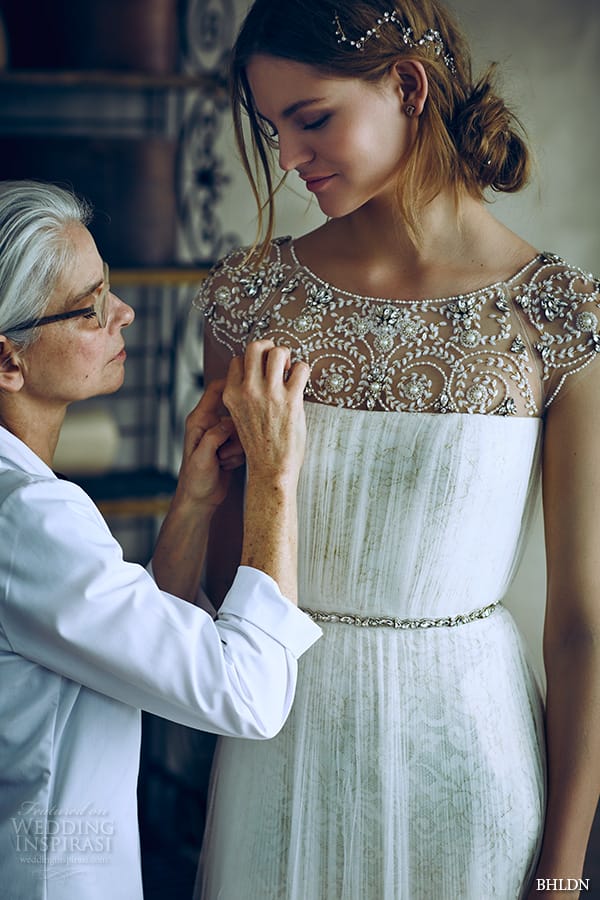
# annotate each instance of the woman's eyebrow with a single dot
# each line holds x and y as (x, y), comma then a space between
(293, 108)
(300, 104)
(72, 301)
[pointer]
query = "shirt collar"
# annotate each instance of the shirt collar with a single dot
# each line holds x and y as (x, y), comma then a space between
(19, 454)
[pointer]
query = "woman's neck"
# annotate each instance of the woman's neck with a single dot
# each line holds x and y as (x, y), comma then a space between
(371, 252)
(39, 429)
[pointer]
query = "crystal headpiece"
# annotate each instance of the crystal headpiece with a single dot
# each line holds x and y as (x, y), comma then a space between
(429, 38)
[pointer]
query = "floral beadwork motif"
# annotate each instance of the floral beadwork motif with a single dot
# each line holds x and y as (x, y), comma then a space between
(504, 350)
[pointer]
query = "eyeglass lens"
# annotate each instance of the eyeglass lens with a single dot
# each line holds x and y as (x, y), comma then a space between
(101, 302)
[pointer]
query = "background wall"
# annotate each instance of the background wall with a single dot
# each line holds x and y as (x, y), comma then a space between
(549, 56)
(549, 71)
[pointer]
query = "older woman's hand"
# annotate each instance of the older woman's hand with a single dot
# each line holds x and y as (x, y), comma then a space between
(211, 449)
(264, 393)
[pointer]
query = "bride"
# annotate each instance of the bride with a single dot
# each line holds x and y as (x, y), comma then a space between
(453, 367)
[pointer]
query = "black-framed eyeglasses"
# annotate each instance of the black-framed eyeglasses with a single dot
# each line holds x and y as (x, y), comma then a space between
(99, 310)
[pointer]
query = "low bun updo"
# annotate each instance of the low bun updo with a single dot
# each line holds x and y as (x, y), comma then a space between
(490, 142)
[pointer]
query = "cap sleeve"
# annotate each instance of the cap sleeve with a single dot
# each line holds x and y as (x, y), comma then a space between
(221, 302)
(235, 294)
(562, 306)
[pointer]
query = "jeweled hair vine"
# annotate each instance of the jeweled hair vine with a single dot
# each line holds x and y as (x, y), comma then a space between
(430, 38)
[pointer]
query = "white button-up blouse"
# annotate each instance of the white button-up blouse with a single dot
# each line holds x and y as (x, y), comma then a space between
(88, 640)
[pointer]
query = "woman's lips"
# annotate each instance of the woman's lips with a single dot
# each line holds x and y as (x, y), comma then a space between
(317, 183)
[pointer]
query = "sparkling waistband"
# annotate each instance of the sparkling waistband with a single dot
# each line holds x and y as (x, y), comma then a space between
(392, 622)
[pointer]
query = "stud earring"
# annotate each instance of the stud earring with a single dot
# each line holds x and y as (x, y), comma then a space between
(409, 110)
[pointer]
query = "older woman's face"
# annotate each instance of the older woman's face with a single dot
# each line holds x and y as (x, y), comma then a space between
(75, 358)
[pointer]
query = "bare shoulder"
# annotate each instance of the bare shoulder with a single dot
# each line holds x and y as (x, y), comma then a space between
(490, 250)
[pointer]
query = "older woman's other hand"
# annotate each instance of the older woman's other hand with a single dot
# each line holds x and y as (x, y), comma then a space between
(211, 449)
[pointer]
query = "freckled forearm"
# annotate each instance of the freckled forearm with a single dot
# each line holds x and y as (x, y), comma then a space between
(271, 533)
(180, 550)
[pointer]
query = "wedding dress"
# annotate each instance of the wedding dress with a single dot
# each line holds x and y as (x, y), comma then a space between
(411, 767)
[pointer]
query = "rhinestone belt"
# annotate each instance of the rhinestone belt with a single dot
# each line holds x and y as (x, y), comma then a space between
(390, 622)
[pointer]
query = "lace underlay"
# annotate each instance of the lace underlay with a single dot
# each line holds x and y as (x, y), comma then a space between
(505, 349)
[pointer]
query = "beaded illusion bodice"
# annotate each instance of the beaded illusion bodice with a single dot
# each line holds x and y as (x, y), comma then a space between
(505, 349)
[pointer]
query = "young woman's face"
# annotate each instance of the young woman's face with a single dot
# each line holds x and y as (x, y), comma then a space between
(75, 358)
(345, 137)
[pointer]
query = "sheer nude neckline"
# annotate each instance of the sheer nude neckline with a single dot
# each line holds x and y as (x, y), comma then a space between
(504, 349)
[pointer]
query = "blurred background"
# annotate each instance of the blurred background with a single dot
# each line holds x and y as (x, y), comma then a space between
(126, 102)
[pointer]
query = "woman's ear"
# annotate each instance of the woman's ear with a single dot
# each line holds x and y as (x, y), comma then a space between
(411, 82)
(11, 367)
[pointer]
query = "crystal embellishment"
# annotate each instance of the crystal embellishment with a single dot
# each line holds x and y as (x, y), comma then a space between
(503, 350)
(586, 321)
(552, 305)
(223, 294)
(469, 338)
(252, 286)
(462, 309)
(303, 323)
(319, 296)
(408, 328)
(518, 345)
(415, 387)
(477, 394)
(384, 342)
(335, 382)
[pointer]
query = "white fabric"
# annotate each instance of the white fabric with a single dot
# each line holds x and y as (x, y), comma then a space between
(411, 767)
(86, 641)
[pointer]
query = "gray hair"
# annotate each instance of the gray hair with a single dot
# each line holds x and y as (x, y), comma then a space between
(34, 249)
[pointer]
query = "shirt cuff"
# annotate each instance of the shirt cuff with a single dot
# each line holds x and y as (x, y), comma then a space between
(255, 597)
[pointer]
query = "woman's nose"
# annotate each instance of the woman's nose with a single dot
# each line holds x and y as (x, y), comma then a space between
(120, 312)
(294, 152)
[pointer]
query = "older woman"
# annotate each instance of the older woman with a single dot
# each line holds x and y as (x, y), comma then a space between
(86, 639)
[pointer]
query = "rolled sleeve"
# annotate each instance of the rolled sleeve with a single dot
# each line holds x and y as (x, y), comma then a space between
(255, 597)
(69, 602)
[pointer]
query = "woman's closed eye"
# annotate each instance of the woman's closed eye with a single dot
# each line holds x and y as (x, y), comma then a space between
(317, 123)
(271, 135)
